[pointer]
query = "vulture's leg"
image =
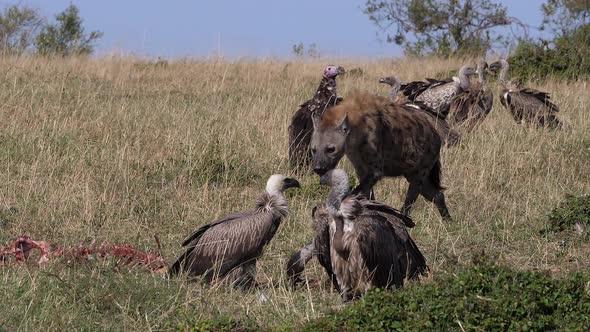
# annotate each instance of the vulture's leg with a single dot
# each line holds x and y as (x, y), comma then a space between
(244, 276)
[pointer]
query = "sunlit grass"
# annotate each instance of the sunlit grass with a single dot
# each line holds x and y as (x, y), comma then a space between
(120, 150)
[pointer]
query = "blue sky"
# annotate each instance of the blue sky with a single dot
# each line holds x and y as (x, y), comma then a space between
(260, 28)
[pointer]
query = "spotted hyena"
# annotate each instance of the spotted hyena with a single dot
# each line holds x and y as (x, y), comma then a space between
(381, 139)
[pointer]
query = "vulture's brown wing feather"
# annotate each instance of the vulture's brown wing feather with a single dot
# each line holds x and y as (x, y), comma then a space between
(380, 249)
(414, 89)
(530, 108)
(434, 81)
(321, 241)
(224, 245)
(543, 97)
(203, 229)
(460, 105)
(386, 210)
(176, 267)
(300, 132)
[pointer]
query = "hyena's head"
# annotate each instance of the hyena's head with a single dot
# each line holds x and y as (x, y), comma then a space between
(328, 143)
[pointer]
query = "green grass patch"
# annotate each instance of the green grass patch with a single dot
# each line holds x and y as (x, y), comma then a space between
(481, 297)
(572, 214)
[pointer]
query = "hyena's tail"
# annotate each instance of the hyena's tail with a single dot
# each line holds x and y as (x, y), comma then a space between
(435, 176)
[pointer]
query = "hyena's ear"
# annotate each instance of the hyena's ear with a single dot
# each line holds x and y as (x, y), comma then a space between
(344, 125)
(316, 119)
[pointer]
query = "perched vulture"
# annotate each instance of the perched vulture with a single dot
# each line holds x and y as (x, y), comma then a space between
(227, 249)
(470, 107)
(437, 94)
(301, 126)
(526, 105)
(375, 249)
(447, 135)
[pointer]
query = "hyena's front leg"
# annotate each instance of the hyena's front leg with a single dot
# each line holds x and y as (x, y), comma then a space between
(366, 182)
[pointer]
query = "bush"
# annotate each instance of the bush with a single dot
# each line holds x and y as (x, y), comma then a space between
(566, 58)
(481, 297)
(67, 36)
(574, 210)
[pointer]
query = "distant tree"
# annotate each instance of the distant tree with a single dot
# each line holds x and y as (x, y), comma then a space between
(565, 55)
(300, 51)
(18, 28)
(563, 17)
(67, 36)
(442, 27)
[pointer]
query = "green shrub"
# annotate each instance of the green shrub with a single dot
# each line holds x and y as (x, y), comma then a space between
(565, 58)
(481, 297)
(574, 210)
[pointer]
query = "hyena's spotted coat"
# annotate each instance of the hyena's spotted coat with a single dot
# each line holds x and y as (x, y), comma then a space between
(381, 139)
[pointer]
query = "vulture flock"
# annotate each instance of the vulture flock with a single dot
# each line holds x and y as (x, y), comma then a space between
(361, 242)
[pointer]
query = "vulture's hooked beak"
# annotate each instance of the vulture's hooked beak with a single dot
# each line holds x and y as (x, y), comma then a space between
(382, 80)
(291, 183)
(341, 70)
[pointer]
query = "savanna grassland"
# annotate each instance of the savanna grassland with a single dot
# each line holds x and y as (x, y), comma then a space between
(119, 150)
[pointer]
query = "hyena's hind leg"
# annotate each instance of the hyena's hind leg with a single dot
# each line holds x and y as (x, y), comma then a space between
(432, 190)
(436, 196)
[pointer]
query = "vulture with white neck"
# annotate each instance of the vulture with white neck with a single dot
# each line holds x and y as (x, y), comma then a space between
(437, 94)
(471, 107)
(372, 248)
(447, 135)
(227, 249)
(526, 105)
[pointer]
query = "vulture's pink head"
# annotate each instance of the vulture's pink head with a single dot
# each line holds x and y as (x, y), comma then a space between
(331, 71)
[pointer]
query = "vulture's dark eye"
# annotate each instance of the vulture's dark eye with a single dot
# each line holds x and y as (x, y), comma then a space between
(313, 150)
(330, 149)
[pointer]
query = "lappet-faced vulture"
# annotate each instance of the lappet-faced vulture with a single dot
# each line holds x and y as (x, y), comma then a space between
(227, 249)
(526, 105)
(301, 126)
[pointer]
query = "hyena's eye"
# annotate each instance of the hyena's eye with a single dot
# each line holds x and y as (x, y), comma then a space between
(330, 149)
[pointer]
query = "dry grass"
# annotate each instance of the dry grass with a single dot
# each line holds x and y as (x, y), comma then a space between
(119, 150)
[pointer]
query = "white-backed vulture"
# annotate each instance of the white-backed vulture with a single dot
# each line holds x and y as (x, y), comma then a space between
(367, 250)
(437, 94)
(526, 105)
(368, 242)
(447, 135)
(227, 249)
(301, 126)
(319, 247)
(470, 107)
